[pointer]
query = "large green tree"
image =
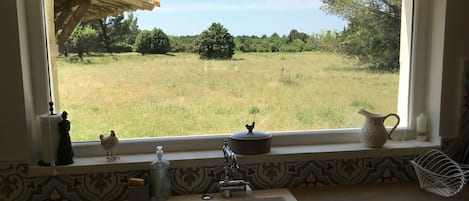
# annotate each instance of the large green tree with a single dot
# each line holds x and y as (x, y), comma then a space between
(161, 44)
(215, 43)
(116, 31)
(82, 40)
(373, 30)
(153, 42)
(143, 42)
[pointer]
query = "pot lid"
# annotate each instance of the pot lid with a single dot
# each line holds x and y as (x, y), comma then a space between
(250, 134)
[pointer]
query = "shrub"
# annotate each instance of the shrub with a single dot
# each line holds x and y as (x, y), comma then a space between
(215, 43)
(154, 42)
(82, 40)
(143, 42)
(121, 47)
(160, 41)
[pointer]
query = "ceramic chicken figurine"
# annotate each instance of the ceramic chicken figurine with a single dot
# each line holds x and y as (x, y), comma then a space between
(108, 143)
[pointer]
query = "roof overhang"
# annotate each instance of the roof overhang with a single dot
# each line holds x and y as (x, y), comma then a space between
(69, 13)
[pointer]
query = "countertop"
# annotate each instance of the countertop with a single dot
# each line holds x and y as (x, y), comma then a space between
(260, 195)
(402, 191)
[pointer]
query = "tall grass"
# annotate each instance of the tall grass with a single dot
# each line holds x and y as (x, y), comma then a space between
(172, 95)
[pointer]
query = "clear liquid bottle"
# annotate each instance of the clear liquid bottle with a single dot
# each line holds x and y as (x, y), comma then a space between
(160, 179)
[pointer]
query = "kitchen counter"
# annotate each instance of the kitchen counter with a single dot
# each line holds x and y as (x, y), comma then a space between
(402, 191)
(260, 195)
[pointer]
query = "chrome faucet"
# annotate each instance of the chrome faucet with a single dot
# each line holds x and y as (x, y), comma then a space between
(229, 183)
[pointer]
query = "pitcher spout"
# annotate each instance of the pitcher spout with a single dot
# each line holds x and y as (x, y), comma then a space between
(369, 114)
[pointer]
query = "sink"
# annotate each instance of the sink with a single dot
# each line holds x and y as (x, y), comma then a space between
(280, 194)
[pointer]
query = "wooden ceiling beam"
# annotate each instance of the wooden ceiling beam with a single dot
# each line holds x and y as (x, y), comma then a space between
(59, 7)
(73, 22)
(59, 22)
(140, 4)
(69, 13)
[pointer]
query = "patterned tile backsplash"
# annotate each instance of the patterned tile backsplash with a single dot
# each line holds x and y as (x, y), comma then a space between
(16, 185)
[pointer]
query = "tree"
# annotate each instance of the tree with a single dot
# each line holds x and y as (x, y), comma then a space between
(296, 35)
(143, 42)
(245, 44)
(160, 42)
(215, 43)
(154, 42)
(295, 46)
(116, 32)
(373, 31)
(82, 39)
(275, 42)
(325, 41)
(131, 22)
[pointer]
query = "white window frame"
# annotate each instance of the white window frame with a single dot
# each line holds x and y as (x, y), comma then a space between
(422, 96)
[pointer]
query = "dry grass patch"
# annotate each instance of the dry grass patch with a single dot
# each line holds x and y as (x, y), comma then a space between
(161, 95)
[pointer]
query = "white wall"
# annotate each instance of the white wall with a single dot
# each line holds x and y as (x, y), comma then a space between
(456, 47)
(14, 140)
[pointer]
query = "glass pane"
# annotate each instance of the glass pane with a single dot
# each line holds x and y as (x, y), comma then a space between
(297, 65)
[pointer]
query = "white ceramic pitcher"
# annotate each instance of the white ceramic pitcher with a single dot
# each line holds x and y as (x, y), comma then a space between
(373, 133)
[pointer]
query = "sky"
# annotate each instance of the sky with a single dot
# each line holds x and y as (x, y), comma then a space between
(240, 17)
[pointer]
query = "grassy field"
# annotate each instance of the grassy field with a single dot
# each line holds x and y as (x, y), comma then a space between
(172, 95)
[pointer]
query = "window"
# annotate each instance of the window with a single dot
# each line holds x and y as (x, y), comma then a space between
(284, 77)
(289, 137)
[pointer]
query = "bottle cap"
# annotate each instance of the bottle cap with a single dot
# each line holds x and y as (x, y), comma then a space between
(159, 152)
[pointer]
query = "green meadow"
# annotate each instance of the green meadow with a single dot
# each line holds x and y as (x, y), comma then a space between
(173, 95)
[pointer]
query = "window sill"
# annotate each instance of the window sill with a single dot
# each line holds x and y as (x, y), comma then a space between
(214, 157)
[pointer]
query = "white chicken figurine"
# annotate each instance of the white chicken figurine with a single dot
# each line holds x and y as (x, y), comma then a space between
(108, 143)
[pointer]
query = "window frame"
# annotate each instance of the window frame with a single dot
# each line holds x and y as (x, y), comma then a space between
(421, 96)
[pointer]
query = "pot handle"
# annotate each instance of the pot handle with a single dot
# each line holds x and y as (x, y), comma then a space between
(395, 126)
(250, 127)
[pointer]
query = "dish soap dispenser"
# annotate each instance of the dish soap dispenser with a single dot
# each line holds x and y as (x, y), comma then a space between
(160, 180)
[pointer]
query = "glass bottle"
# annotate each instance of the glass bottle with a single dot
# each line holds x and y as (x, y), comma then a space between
(160, 179)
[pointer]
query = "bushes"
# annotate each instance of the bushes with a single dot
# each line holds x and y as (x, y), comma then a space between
(153, 42)
(82, 40)
(182, 43)
(215, 43)
(143, 42)
(121, 47)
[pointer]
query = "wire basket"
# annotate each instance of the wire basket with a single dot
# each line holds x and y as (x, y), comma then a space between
(439, 174)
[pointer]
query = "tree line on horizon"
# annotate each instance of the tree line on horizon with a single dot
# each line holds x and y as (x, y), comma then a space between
(116, 34)
(371, 36)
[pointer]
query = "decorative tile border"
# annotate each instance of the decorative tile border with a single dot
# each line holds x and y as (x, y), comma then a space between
(299, 174)
(16, 185)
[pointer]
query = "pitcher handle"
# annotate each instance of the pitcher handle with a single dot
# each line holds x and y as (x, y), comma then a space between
(395, 126)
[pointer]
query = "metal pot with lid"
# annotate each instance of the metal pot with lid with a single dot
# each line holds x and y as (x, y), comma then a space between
(250, 142)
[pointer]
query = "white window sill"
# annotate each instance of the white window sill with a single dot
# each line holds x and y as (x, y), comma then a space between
(214, 157)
